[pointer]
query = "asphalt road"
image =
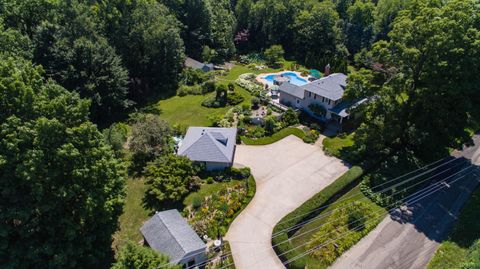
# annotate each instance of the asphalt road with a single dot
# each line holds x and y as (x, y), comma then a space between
(408, 241)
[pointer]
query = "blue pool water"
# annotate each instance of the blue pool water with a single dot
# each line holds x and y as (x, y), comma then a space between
(294, 78)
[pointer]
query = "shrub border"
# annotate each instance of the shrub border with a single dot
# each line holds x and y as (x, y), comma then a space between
(275, 137)
(328, 194)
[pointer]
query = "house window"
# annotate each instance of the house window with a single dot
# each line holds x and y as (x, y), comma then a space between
(329, 101)
(310, 94)
(323, 99)
(298, 101)
(314, 96)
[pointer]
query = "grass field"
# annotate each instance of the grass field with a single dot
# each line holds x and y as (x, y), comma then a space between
(453, 252)
(134, 214)
(334, 145)
(303, 235)
(275, 137)
(207, 190)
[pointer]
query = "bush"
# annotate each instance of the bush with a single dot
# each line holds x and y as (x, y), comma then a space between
(318, 110)
(318, 200)
(196, 201)
(211, 102)
(208, 86)
(311, 136)
(231, 86)
(256, 132)
(356, 219)
(210, 180)
(290, 117)
(274, 138)
(255, 102)
(234, 98)
(191, 76)
(274, 54)
(186, 90)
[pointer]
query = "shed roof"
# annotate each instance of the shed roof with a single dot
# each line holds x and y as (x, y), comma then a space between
(169, 233)
(190, 62)
(209, 144)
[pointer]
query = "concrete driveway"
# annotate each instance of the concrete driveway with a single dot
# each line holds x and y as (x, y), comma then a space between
(287, 173)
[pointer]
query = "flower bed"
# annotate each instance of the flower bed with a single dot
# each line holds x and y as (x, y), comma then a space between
(212, 214)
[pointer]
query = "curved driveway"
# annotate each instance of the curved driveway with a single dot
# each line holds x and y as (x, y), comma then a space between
(287, 174)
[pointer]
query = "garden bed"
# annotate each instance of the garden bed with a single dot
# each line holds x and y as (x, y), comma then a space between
(212, 208)
(331, 193)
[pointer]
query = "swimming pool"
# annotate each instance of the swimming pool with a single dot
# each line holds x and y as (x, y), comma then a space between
(294, 78)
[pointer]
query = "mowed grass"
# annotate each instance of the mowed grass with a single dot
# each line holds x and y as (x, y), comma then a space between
(134, 214)
(334, 145)
(275, 137)
(453, 252)
(304, 235)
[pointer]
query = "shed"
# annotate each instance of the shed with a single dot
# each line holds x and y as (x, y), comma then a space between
(169, 233)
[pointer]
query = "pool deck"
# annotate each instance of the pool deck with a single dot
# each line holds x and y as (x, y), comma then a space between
(260, 77)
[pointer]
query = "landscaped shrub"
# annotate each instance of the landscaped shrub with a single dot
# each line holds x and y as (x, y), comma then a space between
(208, 86)
(196, 201)
(186, 90)
(273, 138)
(280, 239)
(191, 76)
(234, 98)
(247, 81)
(231, 86)
(290, 117)
(311, 136)
(255, 102)
(255, 132)
(356, 219)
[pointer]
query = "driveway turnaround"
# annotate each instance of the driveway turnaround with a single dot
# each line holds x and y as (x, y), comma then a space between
(397, 244)
(287, 173)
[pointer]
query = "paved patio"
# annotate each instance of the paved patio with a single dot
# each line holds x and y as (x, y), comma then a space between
(287, 173)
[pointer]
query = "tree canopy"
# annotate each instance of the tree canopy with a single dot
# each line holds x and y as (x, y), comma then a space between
(60, 182)
(134, 256)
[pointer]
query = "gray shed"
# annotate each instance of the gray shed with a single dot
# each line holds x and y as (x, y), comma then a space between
(169, 233)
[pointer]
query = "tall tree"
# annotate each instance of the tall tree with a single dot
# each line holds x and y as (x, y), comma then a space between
(432, 62)
(15, 43)
(148, 39)
(385, 13)
(77, 56)
(318, 39)
(359, 26)
(61, 186)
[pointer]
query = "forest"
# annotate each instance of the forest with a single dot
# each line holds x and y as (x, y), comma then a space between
(70, 69)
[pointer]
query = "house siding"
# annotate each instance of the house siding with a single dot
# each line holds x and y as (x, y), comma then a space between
(198, 257)
(290, 100)
(212, 166)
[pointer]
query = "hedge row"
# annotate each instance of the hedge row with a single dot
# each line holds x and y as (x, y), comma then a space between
(301, 214)
(275, 137)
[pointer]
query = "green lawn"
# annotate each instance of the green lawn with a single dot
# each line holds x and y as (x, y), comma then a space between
(336, 146)
(275, 137)
(134, 214)
(453, 252)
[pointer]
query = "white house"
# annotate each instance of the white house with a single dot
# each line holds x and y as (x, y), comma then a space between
(215, 147)
(169, 233)
(326, 92)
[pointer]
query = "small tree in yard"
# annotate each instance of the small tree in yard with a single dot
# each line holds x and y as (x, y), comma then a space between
(290, 117)
(274, 54)
(151, 137)
(169, 179)
(133, 256)
(255, 102)
(356, 219)
(270, 125)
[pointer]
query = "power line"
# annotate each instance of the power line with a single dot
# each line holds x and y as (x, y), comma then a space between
(384, 190)
(332, 241)
(322, 207)
(364, 198)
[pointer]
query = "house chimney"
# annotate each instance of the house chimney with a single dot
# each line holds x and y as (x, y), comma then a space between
(327, 70)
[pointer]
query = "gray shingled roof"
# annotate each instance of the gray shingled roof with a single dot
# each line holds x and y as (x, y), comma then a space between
(331, 87)
(343, 108)
(168, 232)
(189, 62)
(291, 89)
(208, 144)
